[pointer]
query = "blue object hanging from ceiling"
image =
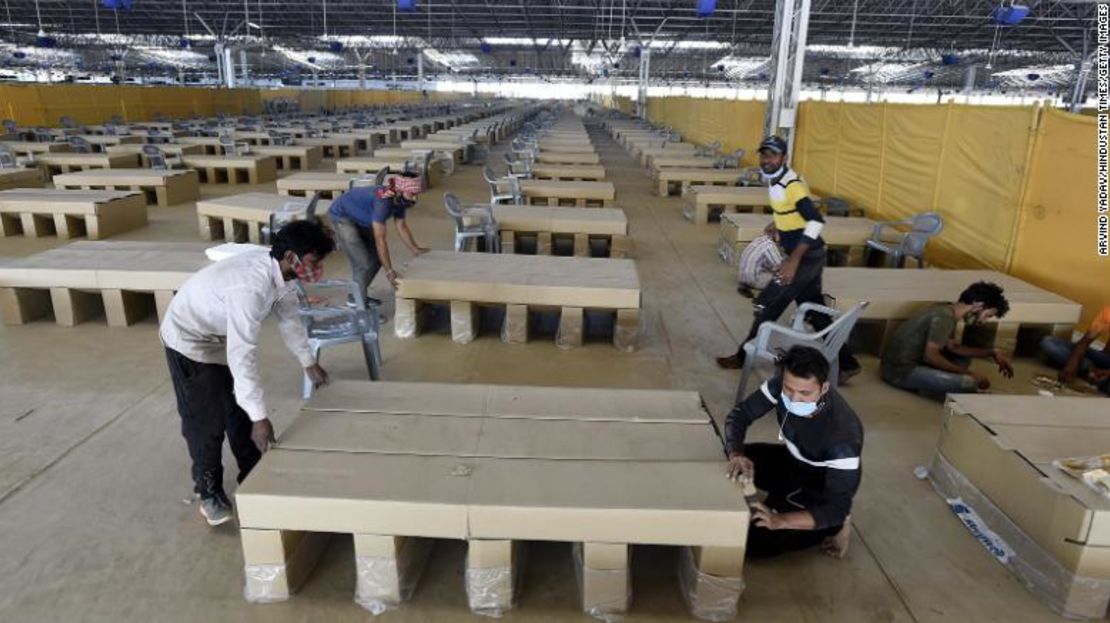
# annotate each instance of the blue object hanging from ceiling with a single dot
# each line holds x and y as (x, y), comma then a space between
(19, 55)
(485, 48)
(949, 59)
(44, 41)
(1009, 15)
(311, 59)
(335, 46)
(928, 74)
(1033, 77)
(705, 8)
(184, 43)
(512, 63)
(117, 5)
(408, 6)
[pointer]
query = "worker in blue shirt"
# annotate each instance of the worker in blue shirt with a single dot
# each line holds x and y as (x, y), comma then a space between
(359, 216)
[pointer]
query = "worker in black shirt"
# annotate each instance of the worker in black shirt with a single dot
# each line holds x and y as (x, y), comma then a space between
(796, 223)
(811, 477)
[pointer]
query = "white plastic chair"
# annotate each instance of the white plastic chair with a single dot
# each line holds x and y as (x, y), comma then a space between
(773, 337)
(231, 148)
(156, 158)
(473, 222)
(912, 243)
(328, 325)
(504, 190)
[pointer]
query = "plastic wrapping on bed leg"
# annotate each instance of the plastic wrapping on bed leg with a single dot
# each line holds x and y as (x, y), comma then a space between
(1059, 588)
(708, 597)
(603, 583)
(388, 570)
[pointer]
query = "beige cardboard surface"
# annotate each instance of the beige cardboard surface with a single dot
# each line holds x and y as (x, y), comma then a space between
(111, 161)
(169, 149)
(521, 279)
(20, 178)
(369, 164)
(107, 264)
(675, 174)
(577, 190)
(400, 495)
(119, 177)
(729, 195)
(561, 220)
(1060, 411)
(53, 201)
(591, 171)
(253, 206)
(688, 161)
(610, 501)
(847, 231)
(312, 152)
(224, 161)
(565, 148)
(568, 158)
(381, 433)
(316, 180)
(1059, 513)
(901, 293)
(509, 401)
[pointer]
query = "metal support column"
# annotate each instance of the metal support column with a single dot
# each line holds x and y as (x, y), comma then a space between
(787, 58)
(1079, 86)
(420, 70)
(645, 71)
(229, 69)
(243, 65)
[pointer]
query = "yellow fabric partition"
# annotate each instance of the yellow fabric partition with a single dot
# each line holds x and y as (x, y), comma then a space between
(44, 105)
(1055, 246)
(737, 124)
(966, 162)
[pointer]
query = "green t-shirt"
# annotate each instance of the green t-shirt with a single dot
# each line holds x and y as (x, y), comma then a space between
(906, 348)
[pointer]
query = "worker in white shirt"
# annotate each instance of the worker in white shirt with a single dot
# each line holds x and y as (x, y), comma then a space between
(211, 332)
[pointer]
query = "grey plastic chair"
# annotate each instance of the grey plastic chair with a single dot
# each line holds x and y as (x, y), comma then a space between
(519, 166)
(503, 190)
(912, 243)
(7, 158)
(710, 150)
(231, 148)
(156, 158)
(730, 161)
(836, 206)
(473, 222)
(80, 145)
(291, 211)
(773, 337)
(10, 127)
(329, 325)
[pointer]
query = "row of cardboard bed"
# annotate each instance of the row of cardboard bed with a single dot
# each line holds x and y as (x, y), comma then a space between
(998, 457)
(487, 480)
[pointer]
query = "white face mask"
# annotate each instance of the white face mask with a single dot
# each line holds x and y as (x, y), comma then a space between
(767, 177)
(800, 409)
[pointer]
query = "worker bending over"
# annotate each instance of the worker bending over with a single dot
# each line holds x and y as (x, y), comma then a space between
(210, 333)
(811, 477)
(359, 217)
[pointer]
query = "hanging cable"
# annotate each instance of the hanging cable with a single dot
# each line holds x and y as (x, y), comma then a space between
(852, 35)
(184, 18)
(11, 25)
(38, 14)
(326, 17)
(96, 16)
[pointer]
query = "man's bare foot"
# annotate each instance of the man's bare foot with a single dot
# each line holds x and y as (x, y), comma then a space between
(836, 545)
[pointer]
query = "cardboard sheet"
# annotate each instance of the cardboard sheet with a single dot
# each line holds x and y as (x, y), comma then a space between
(253, 206)
(522, 279)
(119, 177)
(108, 161)
(565, 189)
(839, 231)
(568, 158)
(585, 171)
(54, 201)
(561, 220)
(729, 195)
(676, 174)
(143, 266)
(900, 293)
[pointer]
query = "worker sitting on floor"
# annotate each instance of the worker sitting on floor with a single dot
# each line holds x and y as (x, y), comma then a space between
(923, 355)
(211, 332)
(797, 223)
(1077, 359)
(759, 261)
(359, 217)
(811, 478)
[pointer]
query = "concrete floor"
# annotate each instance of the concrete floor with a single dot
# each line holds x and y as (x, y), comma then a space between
(95, 524)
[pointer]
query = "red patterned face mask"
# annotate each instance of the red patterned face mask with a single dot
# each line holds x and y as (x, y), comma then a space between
(307, 273)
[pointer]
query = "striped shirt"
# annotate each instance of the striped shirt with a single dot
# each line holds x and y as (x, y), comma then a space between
(759, 261)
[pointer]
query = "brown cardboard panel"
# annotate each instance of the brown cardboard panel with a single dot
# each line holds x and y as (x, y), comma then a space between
(1066, 411)
(730, 195)
(511, 401)
(383, 433)
(599, 404)
(609, 501)
(848, 230)
(347, 492)
(902, 294)
(609, 441)
(557, 188)
(522, 279)
(1046, 511)
(698, 174)
(118, 177)
(401, 398)
(56, 201)
(107, 264)
(605, 556)
(253, 206)
(561, 220)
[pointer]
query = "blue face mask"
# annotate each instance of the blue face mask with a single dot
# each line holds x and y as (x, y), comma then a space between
(800, 409)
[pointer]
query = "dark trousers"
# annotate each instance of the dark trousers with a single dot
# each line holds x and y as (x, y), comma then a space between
(206, 403)
(362, 252)
(805, 288)
(779, 474)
